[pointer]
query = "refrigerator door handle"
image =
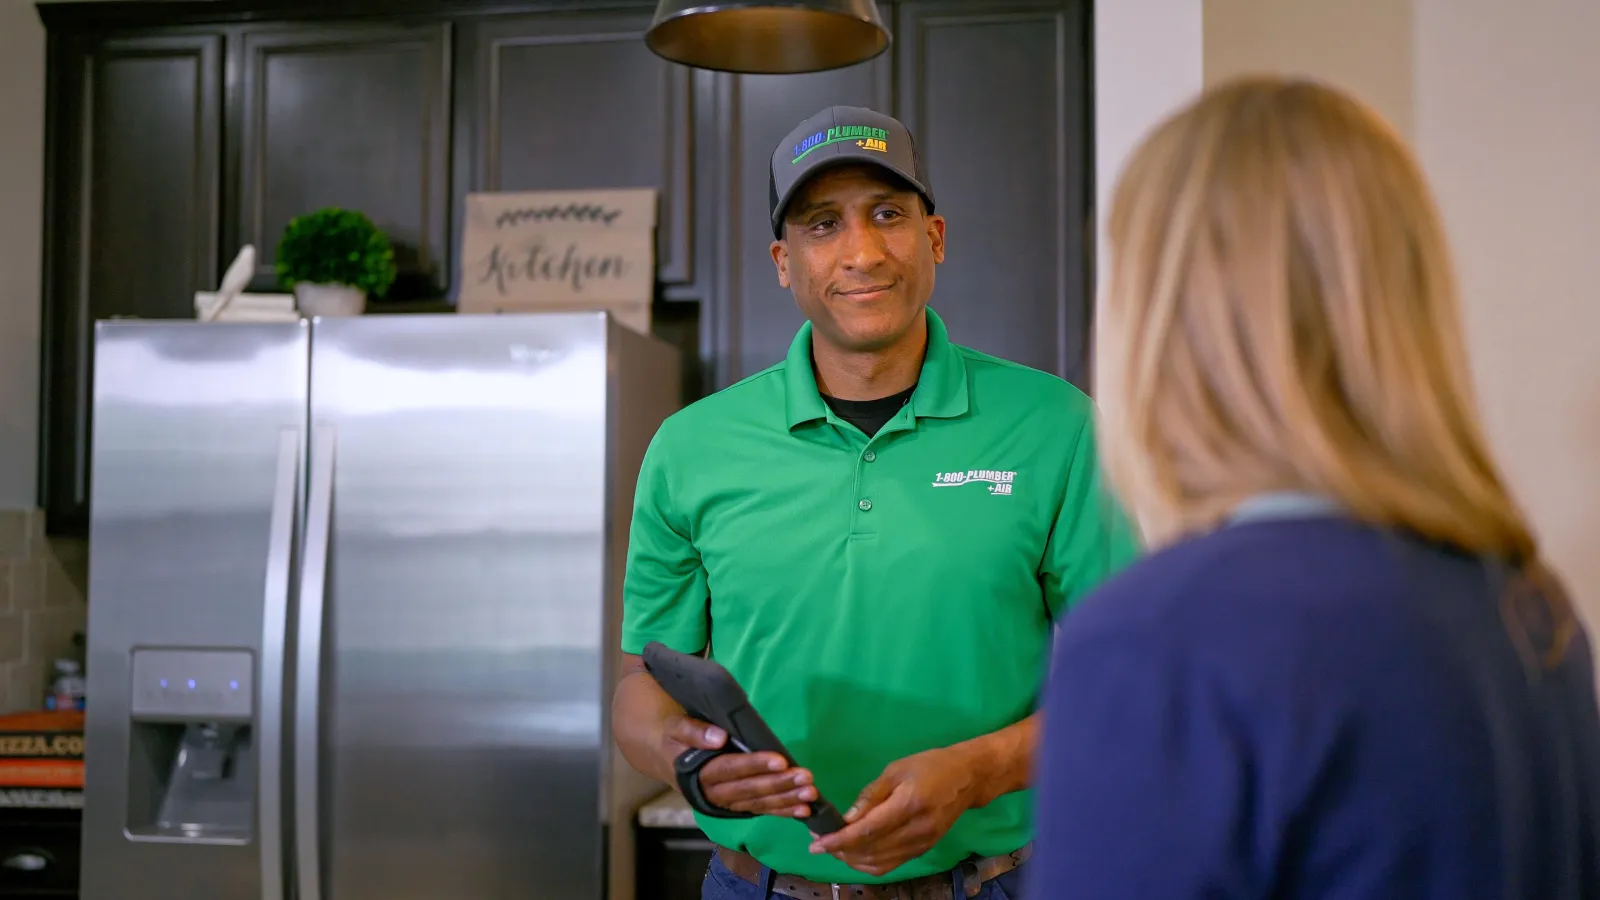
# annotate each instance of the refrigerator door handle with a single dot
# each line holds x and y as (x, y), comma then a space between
(274, 627)
(308, 677)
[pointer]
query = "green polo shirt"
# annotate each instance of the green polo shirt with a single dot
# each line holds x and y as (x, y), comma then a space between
(875, 597)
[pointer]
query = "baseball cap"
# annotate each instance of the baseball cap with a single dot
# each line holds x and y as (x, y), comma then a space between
(840, 135)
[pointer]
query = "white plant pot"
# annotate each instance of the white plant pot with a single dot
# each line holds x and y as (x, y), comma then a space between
(329, 299)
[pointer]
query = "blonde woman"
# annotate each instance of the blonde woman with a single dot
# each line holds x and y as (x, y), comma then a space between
(1342, 671)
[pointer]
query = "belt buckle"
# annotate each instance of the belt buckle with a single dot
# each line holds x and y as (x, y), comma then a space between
(835, 886)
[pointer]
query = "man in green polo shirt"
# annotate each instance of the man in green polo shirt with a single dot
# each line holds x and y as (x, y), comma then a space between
(873, 536)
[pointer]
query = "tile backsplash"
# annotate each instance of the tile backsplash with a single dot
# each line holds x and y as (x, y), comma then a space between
(41, 607)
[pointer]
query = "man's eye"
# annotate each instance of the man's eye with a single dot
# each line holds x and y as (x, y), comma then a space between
(822, 224)
(888, 214)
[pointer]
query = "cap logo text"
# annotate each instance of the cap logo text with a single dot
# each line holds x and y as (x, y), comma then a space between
(864, 136)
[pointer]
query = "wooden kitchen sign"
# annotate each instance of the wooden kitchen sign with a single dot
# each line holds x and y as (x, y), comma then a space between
(560, 250)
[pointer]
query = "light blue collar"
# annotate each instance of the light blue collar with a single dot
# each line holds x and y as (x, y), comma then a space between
(1275, 505)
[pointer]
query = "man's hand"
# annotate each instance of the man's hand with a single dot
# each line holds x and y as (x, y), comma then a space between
(652, 732)
(907, 810)
(761, 783)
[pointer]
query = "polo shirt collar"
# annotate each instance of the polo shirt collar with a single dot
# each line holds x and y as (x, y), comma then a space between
(941, 388)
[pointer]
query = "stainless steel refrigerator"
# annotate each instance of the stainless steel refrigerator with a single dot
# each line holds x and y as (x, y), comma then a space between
(353, 606)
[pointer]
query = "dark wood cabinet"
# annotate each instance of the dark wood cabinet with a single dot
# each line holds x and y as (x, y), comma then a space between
(670, 863)
(132, 217)
(997, 95)
(39, 853)
(179, 131)
(353, 115)
(567, 101)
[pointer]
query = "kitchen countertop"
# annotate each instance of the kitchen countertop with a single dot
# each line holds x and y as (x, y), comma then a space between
(668, 810)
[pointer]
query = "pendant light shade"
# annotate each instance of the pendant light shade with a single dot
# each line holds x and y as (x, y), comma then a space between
(768, 37)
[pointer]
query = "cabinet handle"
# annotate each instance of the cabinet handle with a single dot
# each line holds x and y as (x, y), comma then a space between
(31, 859)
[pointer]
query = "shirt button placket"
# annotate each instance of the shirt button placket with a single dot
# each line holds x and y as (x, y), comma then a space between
(863, 484)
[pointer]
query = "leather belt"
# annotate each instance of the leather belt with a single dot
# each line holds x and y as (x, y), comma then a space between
(974, 873)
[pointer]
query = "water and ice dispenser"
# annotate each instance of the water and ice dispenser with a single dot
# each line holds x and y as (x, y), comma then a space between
(191, 759)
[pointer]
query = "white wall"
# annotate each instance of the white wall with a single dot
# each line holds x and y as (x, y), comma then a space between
(1364, 46)
(21, 188)
(1147, 60)
(1508, 127)
(1496, 97)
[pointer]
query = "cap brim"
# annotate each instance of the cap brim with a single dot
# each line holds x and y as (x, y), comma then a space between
(834, 162)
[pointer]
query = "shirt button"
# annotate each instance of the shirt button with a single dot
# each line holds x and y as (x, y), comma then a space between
(869, 456)
(865, 505)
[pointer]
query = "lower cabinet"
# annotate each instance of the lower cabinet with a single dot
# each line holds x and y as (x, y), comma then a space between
(671, 863)
(39, 854)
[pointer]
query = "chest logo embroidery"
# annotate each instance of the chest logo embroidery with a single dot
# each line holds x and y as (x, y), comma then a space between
(998, 480)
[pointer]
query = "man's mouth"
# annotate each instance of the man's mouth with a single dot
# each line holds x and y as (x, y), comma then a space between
(868, 292)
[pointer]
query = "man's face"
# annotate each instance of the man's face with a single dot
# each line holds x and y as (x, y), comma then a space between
(858, 253)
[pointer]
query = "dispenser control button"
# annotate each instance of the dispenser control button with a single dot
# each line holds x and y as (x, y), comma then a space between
(193, 684)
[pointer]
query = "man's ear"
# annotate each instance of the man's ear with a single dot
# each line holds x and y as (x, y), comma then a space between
(936, 236)
(780, 258)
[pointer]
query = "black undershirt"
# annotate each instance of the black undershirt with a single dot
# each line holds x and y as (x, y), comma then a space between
(869, 415)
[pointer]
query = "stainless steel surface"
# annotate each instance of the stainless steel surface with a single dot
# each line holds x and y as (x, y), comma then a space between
(274, 638)
(185, 459)
(441, 609)
(768, 37)
(462, 736)
(188, 685)
(309, 663)
(211, 785)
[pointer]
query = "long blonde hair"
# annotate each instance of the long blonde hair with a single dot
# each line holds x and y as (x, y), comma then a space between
(1281, 313)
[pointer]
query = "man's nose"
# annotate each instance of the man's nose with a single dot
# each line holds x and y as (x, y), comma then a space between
(864, 248)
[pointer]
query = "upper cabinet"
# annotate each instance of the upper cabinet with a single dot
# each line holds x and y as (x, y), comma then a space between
(132, 220)
(573, 101)
(181, 131)
(997, 94)
(355, 116)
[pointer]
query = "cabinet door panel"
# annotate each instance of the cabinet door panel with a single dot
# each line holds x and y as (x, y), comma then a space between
(997, 95)
(572, 102)
(131, 220)
(354, 117)
(153, 134)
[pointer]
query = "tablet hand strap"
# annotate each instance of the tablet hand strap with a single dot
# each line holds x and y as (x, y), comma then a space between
(687, 767)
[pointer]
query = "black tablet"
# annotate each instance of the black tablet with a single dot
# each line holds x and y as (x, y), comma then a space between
(707, 692)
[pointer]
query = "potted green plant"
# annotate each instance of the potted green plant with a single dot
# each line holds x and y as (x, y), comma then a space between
(334, 259)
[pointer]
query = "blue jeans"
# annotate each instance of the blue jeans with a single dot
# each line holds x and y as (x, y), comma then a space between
(721, 884)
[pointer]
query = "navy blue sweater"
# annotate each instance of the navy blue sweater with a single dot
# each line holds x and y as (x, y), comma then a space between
(1312, 708)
